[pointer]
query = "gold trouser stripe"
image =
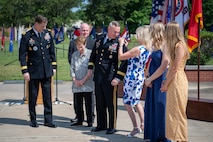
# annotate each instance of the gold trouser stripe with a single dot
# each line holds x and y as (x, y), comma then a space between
(115, 104)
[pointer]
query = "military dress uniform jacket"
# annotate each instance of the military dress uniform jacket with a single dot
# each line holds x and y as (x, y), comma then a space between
(37, 55)
(104, 58)
(90, 43)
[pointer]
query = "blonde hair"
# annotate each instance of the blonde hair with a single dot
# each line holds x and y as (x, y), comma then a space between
(173, 36)
(80, 40)
(157, 34)
(144, 36)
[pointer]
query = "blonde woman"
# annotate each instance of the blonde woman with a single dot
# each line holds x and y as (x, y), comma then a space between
(134, 79)
(176, 84)
(155, 103)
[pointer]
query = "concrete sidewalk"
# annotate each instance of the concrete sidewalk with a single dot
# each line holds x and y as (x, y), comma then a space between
(14, 119)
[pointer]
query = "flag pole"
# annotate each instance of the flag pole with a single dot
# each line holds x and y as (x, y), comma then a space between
(63, 37)
(11, 38)
(173, 3)
(4, 40)
(198, 60)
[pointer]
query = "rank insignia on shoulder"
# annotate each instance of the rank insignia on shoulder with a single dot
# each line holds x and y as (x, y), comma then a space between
(26, 30)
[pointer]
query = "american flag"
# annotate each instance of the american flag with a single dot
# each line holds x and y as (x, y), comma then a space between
(157, 11)
(182, 13)
(125, 34)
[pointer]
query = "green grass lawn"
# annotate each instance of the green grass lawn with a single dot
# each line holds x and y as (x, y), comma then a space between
(10, 67)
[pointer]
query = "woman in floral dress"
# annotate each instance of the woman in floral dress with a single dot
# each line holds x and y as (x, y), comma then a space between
(134, 79)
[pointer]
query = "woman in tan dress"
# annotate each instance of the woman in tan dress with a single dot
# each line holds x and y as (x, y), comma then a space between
(176, 84)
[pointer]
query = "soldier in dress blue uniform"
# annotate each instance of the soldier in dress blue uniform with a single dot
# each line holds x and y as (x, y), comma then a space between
(107, 74)
(38, 65)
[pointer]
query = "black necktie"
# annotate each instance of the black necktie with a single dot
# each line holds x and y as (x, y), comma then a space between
(107, 40)
(39, 35)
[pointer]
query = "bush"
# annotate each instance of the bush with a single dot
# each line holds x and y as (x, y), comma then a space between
(194, 58)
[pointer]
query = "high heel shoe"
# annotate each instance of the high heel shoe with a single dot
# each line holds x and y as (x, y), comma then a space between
(135, 131)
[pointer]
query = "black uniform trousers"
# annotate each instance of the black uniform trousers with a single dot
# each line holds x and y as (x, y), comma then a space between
(87, 96)
(106, 99)
(46, 95)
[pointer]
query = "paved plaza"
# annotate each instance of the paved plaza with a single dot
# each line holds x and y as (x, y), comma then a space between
(14, 118)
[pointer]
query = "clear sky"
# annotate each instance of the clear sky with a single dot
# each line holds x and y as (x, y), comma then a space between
(78, 8)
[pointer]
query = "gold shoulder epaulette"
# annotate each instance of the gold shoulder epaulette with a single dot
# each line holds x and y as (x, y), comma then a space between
(29, 28)
(24, 32)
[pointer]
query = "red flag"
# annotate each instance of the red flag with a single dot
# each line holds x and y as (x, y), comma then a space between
(2, 40)
(76, 33)
(193, 28)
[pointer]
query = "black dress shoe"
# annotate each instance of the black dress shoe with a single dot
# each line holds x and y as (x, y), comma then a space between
(89, 125)
(96, 129)
(34, 124)
(111, 131)
(74, 119)
(76, 124)
(52, 125)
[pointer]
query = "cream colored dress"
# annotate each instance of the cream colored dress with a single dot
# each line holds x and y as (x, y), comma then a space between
(176, 103)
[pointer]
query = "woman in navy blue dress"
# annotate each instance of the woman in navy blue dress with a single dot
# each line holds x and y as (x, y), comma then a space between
(155, 103)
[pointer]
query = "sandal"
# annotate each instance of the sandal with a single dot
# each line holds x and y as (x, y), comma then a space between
(135, 131)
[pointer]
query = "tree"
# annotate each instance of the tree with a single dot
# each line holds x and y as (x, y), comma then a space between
(106, 10)
(138, 13)
(131, 11)
(23, 11)
(207, 11)
(59, 12)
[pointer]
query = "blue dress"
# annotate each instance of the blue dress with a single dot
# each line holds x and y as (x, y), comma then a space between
(155, 104)
(134, 78)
